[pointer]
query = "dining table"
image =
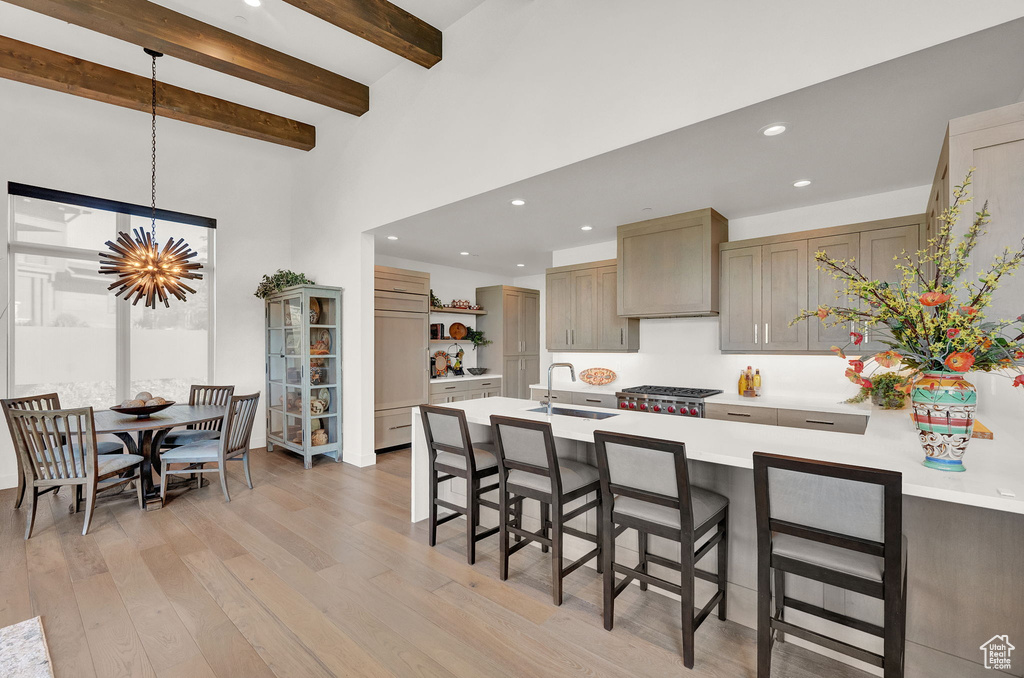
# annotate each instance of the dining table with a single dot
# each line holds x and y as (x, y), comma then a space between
(145, 435)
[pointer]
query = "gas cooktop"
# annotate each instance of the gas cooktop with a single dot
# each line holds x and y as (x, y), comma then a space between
(672, 391)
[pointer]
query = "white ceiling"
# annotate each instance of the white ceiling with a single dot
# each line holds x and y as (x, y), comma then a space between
(868, 132)
(276, 24)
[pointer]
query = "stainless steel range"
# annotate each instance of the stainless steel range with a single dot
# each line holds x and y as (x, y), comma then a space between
(688, 402)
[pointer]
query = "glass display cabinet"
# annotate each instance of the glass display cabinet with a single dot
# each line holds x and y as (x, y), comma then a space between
(303, 326)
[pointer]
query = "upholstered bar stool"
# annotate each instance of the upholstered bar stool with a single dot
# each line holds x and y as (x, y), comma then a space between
(646, 486)
(530, 468)
(454, 455)
(840, 525)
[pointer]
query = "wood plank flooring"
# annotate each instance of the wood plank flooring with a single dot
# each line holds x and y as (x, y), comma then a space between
(320, 573)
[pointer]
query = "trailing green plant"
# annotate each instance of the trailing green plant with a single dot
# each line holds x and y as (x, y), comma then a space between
(280, 280)
(477, 337)
(434, 301)
(885, 391)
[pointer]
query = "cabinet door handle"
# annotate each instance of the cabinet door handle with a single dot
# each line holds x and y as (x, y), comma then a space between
(755, 333)
(486, 383)
(395, 428)
(567, 337)
(591, 400)
(766, 339)
(738, 414)
(400, 289)
(622, 336)
(449, 388)
(572, 333)
(819, 421)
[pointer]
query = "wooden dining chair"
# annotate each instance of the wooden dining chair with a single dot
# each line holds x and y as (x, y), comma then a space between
(233, 444)
(59, 448)
(201, 395)
(46, 401)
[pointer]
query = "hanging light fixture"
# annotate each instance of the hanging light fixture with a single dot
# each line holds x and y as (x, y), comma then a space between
(143, 269)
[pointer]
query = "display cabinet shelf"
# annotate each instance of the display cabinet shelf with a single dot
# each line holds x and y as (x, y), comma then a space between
(297, 318)
(463, 311)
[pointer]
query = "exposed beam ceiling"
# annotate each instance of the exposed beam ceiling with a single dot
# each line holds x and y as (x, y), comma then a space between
(150, 25)
(33, 65)
(382, 23)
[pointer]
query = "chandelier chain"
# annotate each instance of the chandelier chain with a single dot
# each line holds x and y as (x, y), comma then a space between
(153, 157)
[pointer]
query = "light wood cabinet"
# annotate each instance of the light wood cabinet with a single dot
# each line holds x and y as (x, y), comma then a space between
(454, 390)
(743, 413)
(669, 266)
(767, 282)
(771, 416)
(582, 310)
(512, 323)
(992, 142)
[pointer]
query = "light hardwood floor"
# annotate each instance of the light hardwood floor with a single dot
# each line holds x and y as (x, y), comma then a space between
(320, 573)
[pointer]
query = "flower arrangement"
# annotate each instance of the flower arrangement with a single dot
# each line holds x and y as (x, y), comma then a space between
(888, 391)
(933, 318)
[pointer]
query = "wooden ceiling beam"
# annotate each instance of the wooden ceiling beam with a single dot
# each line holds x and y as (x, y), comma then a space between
(148, 24)
(382, 23)
(34, 65)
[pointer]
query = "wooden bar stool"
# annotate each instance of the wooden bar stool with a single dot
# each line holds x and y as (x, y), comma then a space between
(840, 525)
(454, 455)
(646, 486)
(529, 468)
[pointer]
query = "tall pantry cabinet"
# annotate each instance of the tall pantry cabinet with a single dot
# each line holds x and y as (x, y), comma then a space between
(512, 324)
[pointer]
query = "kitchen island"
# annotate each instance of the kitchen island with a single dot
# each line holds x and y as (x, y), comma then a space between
(965, 531)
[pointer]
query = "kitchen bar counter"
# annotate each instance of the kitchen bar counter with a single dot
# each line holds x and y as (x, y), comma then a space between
(965, 538)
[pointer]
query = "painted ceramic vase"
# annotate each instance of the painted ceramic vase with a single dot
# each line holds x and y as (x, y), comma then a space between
(944, 405)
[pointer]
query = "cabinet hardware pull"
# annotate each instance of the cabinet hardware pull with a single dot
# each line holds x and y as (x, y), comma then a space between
(399, 289)
(486, 383)
(819, 421)
(738, 414)
(393, 428)
(567, 337)
(766, 339)
(755, 333)
(449, 388)
(591, 400)
(622, 336)
(572, 333)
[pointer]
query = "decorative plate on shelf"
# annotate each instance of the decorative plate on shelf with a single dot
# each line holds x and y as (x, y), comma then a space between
(597, 376)
(324, 394)
(457, 331)
(314, 311)
(321, 342)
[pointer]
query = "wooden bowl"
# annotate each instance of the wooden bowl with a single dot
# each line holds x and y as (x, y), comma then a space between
(457, 331)
(142, 412)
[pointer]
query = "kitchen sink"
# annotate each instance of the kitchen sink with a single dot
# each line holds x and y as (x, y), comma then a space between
(582, 414)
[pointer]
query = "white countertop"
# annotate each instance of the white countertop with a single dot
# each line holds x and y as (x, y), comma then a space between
(890, 442)
(465, 377)
(579, 387)
(815, 404)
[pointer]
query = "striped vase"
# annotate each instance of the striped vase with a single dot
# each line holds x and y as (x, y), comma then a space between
(944, 404)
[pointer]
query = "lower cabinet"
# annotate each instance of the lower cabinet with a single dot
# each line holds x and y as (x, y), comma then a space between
(453, 391)
(392, 428)
(771, 416)
(575, 398)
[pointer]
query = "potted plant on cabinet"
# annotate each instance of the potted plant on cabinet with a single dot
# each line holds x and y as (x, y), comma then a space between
(933, 321)
(280, 280)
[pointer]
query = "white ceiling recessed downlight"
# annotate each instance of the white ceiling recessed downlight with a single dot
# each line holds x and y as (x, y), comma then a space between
(586, 228)
(801, 183)
(774, 129)
(465, 254)
(254, 3)
(392, 237)
(520, 265)
(518, 202)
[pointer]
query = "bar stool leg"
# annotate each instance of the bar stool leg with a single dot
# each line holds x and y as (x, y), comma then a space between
(472, 518)
(608, 557)
(641, 549)
(780, 602)
(432, 539)
(545, 523)
(764, 614)
(686, 603)
(556, 551)
(519, 518)
(599, 561)
(503, 499)
(723, 565)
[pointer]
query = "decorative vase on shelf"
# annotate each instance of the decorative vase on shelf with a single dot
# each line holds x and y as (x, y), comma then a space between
(944, 405)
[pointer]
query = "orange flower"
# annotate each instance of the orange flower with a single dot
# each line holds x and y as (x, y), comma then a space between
(888, 358)
(1018, 355)
(857, 366)
(856, 338)
(823, 312)
(986, 345)
(952, 333)
(933, 298)
(968, 310)
(960, 361)
(865, 383)
(839, 352)
(1019, 381)
(852, 376)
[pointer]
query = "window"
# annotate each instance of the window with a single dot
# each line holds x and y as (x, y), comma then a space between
(69, 334)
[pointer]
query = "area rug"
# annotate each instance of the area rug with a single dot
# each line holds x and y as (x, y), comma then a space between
(23, 650)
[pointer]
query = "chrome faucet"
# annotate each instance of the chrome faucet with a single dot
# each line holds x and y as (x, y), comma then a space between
(572, 373)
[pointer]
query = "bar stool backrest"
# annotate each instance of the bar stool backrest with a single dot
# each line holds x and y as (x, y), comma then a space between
(852, 507)
(527, 445)
(648, 469)
(447, 430)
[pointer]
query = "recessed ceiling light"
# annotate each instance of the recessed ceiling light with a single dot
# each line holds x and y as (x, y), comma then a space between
(518, 202)
(254, 3)
(801, 183)
(774, 129)
(586, 228)
(520, 265)
(465, 254)
(392, 237)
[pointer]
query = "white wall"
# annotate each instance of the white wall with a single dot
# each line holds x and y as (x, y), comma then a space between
(527, 87)
(684, 351)
(63, 142)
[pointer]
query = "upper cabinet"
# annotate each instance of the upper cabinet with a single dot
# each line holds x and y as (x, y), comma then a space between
(767, 282)
(992, 142)
(512, 324)
(582, 310)
(669, 266)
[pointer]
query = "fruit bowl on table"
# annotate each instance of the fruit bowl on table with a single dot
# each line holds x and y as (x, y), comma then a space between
(143, 411)
(477, 371)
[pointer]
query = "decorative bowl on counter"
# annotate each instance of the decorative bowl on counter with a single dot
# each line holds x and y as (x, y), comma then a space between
(477, 371)
(142, 412)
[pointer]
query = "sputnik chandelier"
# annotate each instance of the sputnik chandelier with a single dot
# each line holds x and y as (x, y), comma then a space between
(143, 269)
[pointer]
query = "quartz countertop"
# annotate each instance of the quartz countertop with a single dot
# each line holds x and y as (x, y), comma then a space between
(465, 377)
(890, 442)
